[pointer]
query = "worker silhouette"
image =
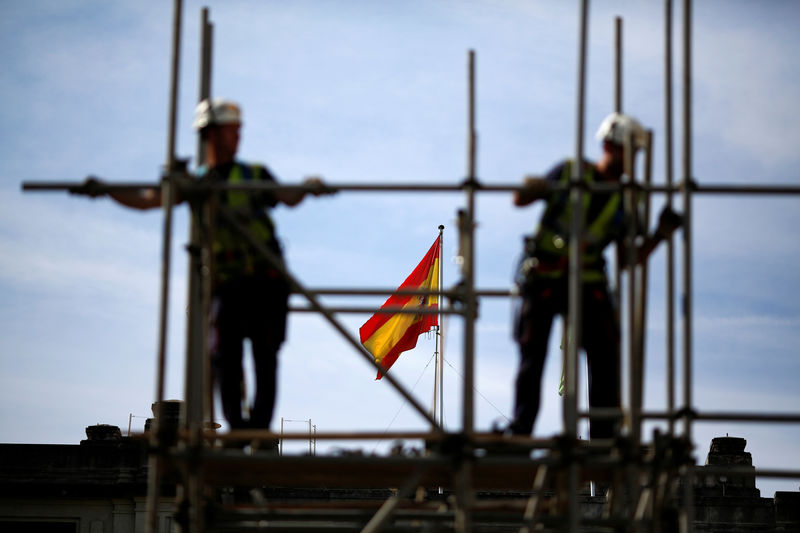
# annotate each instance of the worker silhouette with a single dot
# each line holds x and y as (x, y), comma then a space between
(542, 277)
(249, 296)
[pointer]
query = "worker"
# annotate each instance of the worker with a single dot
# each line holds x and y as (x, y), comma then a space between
(249, 296)
(543, 279)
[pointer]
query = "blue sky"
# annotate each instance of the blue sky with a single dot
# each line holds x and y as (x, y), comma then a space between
(369, 92)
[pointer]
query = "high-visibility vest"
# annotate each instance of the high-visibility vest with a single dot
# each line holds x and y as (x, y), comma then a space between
(233, 254)
(551, 241)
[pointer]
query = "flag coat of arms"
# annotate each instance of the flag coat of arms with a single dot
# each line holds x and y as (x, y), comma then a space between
(387, 335)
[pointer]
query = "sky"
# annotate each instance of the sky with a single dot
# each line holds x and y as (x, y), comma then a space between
(373, 93)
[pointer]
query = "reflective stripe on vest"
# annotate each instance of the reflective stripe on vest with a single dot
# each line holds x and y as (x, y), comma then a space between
(233, 254)
(553, 235)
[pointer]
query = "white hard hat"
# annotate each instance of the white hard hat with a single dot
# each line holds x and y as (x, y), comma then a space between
(617, 128)
(216, 112)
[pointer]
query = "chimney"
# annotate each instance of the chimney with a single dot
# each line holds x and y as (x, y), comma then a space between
(102, 433)
(171, 413)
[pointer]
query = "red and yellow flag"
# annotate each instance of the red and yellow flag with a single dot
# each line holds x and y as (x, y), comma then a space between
(387, 335)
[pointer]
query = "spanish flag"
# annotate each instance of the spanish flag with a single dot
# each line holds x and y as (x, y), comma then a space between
(387, 335)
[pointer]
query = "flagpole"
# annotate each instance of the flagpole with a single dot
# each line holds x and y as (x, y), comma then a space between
(438, 372)
(439, 343)
(435, 404)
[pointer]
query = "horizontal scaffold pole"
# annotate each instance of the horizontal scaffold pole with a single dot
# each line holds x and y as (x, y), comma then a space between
(382, 310)
(731, 416)
(455, 294)
(189, 186)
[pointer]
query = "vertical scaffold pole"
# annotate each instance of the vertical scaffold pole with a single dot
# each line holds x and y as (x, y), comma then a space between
(618, 64)
(469, 261)
(637, 287)
(641, 300)
(206, 40)
(688, 508)
(575, 282)
(167, 196)
(196, 378)
(575, 285)
(464, 474)
(668, 155)
(639, 323)
(618, 109)
(197, 384)
(634, 359)
(205, 285)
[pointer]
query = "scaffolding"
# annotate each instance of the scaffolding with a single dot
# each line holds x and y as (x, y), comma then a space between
(646, 478)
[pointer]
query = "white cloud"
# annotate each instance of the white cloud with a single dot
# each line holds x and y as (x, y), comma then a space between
(746, 84)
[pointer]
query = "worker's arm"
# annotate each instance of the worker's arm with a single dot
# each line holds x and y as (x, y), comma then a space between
(668, 222)
(533, 188)
(143, 198)
(294, 197)
(138, 198)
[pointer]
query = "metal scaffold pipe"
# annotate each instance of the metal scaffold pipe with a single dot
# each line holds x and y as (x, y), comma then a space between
(687, 214)
(464, 493)
(167, 200)
(574, 307)
(206, 62)
(668, 172)
(618, 64)
(469, 257)
(686, 514)
(696, 188)
(618, 108)
(630, 293)
(197, 372)
(383, 310)
(197, 377)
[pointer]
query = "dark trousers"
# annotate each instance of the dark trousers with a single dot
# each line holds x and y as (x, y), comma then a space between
(543, 299)
(247, 308)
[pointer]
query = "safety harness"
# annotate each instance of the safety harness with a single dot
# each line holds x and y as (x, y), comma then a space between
(233, 255)
(547, 252)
